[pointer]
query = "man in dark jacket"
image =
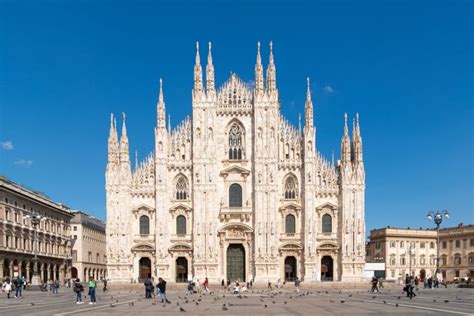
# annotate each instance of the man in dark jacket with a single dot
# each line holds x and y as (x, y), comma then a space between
(78, 289)
(148, 287)
(162, 290)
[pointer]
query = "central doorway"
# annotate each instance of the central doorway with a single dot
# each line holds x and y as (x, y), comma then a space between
(326, 268)
(290, 269)
(181, 270)
(144, 269)
(236, 262)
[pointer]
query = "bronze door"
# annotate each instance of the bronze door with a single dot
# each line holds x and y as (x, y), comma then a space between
(236, 262)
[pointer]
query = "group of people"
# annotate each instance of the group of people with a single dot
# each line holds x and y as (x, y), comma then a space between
(377, 284)
(160, 289)
(18, 284)
(78, 288)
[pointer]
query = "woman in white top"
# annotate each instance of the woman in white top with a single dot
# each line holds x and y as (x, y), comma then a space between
(7, 287)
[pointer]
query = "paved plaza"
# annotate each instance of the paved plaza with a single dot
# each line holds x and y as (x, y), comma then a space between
(450, 301)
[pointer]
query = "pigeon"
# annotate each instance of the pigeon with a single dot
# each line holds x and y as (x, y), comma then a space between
(266, 305)
(197, 303)
(186, 301)
(245, 296)
(177, 303)
(261, 300)
(32, 304)
(112, 305)
(446, 301)
(284, 302)
(164, 305)
(116, 301)
(153, 303)
(273, 302)
(131, 303)
(350, 295)
(181, 309)
(434, 300)
(331, 301)
(342, 302)
(374, 297)
(224, 308)
(396, 305)
(399, 297)
(384, 302)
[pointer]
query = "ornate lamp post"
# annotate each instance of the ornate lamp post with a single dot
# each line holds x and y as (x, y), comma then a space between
(35, 220)
(438, 219)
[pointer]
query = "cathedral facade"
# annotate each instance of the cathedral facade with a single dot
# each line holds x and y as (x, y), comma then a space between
(235, 192)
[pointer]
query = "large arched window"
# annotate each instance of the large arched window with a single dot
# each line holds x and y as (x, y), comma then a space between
(235, 195)
(181, 225)
(235, 143)
(182, 188)
(290, 224)
(144, 225)
(327, 223)
(291, 188)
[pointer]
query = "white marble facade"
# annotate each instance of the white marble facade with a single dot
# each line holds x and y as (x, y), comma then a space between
(235, 192)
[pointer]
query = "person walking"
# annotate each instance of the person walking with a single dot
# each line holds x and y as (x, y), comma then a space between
(374, 282)
(380, 283)
(412, 287)
(269, 287)
(162, 290)
(56, 287)
(78, 289)
(297, 285)
(7, 287)
(148, 287)
(18, 287)
(105, 289)
(205, 284)
(92, 287)
(223, 284)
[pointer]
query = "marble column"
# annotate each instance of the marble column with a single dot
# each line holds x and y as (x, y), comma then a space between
(28, 272)
(1, 269)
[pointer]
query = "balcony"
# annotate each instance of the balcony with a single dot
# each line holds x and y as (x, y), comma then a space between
(242, 213)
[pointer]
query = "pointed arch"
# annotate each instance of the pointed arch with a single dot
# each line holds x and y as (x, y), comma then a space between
(236, 140)
(290, 187)
(181, 187)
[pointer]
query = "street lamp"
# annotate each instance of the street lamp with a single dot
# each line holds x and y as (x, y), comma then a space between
(437, 217)
(35, 220)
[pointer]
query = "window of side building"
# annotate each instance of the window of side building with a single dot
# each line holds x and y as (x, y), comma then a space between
(422, 245)
(444, 244)
(458, 244)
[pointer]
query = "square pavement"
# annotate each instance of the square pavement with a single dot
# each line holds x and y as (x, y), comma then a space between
(391, 301)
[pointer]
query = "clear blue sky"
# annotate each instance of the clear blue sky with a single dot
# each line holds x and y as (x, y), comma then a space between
(405, 67)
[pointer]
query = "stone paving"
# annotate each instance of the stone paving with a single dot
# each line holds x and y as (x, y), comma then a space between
(450, 301)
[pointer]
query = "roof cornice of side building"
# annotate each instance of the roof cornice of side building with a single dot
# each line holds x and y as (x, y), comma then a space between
(83, 218)
(16, 188)
(401, 232)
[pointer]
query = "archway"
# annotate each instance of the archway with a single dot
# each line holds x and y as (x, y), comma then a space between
(6, 268)
(422, 274)
(23, 269)
(326, 268)
(73, 272)
(290, 269)
(181, 270)
(236, 262)
(144, 269)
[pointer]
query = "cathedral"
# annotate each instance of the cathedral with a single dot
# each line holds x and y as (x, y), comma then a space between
(235, 192)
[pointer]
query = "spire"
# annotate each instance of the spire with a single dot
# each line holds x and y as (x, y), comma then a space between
(136, 160)
(258, 71)
(161, 109)
(113, 148)
(169, 124)
(308, 107)
(357, 141)
(197, 71)
(299, 122)
(271, 72)
(124, 154)
(345, 143)
(210, 72)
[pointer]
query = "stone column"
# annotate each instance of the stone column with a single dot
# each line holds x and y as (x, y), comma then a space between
(1, 269)
(28, 271)
(54, 272)
(61, 274)
(48, 272)
(11, 269)
(41, 267)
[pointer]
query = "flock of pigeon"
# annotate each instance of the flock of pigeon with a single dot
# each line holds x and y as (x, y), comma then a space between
(266, 298)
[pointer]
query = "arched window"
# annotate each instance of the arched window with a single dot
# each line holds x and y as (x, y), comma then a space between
(182, 188)
(457, 259)
(235, 195)
(144, 225)
(327, 223)
(181, 225)
(291, 188)
(290, 224)
(235, 143)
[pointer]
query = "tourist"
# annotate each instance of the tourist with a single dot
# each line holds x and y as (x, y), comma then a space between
(380, 283)
(78, 289)
(148, 287)
(278, 283)
(190, 287)
(50, 286)
(18, 286)
(374, 282)
(56, 287)
(25, 282)
(205, 285)
(92, 287)
(251, 284)
(223, 284)
(7, 287)
(162, 290)
(269, 287)
(412, 287)
(236, 288)
(105, 289)
(297, 285)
